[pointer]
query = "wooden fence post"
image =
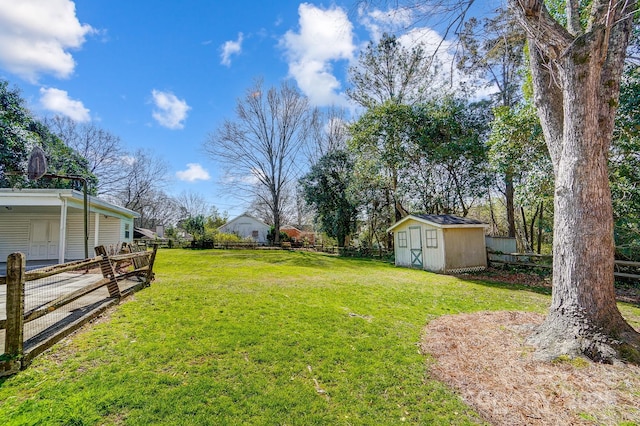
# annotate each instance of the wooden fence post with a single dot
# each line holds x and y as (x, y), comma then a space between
(14, 337)
(107, 272)
(152, 260)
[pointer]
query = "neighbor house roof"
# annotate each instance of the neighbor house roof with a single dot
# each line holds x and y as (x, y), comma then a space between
(144, 233)
(245, 215)
(440, 221)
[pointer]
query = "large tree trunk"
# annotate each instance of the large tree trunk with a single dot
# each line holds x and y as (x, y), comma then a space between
(576, 83)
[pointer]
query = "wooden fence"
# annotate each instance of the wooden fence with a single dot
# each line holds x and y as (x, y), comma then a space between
(120, 275)
(623, 269)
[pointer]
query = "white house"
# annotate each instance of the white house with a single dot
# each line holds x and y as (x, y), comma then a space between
(440, 243)
(48, 224)
(247, 226)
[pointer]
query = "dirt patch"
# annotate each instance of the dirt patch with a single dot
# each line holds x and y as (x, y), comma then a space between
(629, 293)
(484, 358)
(509, 277)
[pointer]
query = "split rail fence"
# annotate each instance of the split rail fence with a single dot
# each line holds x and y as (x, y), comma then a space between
(47, 304)
(623, 269)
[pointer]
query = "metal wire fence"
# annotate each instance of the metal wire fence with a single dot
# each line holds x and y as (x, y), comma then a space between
(40, 307)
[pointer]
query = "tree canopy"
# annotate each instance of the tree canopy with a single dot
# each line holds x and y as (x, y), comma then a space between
(328, 188)
(20, 132)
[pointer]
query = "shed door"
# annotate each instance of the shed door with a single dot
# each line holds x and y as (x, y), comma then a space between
(415, 245)
(44, 239)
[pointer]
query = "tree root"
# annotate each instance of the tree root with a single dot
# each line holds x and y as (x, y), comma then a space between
(556, 338)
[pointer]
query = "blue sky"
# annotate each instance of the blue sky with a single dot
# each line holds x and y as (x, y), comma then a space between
(162, 75)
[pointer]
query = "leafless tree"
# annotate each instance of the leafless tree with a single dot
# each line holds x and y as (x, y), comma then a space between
(192, 204)
(102, 149)
(329, 132)
(142, 190)
(260, 149)
(157, 208)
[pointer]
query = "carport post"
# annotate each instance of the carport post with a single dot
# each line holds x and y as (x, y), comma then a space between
(14, 337)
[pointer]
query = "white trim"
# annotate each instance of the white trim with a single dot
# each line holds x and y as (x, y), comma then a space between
(96, 229)
(62, 244)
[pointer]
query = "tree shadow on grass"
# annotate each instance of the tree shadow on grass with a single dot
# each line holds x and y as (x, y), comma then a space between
(310, 259)
(539, 289)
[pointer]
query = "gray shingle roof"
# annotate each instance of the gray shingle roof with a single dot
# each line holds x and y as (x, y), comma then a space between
(448, 219)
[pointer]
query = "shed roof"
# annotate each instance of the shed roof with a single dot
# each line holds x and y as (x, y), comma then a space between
(440, 221)
(448, 219)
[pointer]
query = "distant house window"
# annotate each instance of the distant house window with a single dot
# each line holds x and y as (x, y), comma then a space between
(255, 235)
(431, 238)
(402, 239)
(126, 230)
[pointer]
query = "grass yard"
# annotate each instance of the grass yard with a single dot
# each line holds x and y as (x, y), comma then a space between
(266, 338)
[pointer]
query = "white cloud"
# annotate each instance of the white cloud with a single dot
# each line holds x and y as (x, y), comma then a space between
(242, 178)
(35, 37)
(401, 21)
(432, 43)
(58, 101)
(325, 36)
(170, 111)
(230, 48)
(128, 160)
(449, 76)
(193, 173)
(390, 21)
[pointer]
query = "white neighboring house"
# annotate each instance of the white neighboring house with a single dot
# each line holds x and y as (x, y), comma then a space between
(247, 226)
(48, 224)
(440, 243)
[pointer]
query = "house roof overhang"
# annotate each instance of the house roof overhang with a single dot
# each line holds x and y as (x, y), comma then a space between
(54, 198)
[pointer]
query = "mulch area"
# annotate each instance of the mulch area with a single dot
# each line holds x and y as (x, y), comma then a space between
(483, 356)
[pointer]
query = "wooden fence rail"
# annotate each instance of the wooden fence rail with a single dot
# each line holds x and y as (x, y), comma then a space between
(623, 268)
(113, 272)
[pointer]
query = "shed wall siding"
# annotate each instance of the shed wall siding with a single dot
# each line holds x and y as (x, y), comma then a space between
(402, 254)
(75, 236)
(465, 248)
(433, 256)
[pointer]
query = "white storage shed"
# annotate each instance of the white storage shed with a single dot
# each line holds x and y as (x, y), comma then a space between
(440, 243)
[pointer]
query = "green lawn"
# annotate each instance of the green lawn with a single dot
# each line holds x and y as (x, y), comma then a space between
(267, 338)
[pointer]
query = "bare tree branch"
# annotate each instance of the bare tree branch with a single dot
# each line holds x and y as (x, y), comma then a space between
(260, 148)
